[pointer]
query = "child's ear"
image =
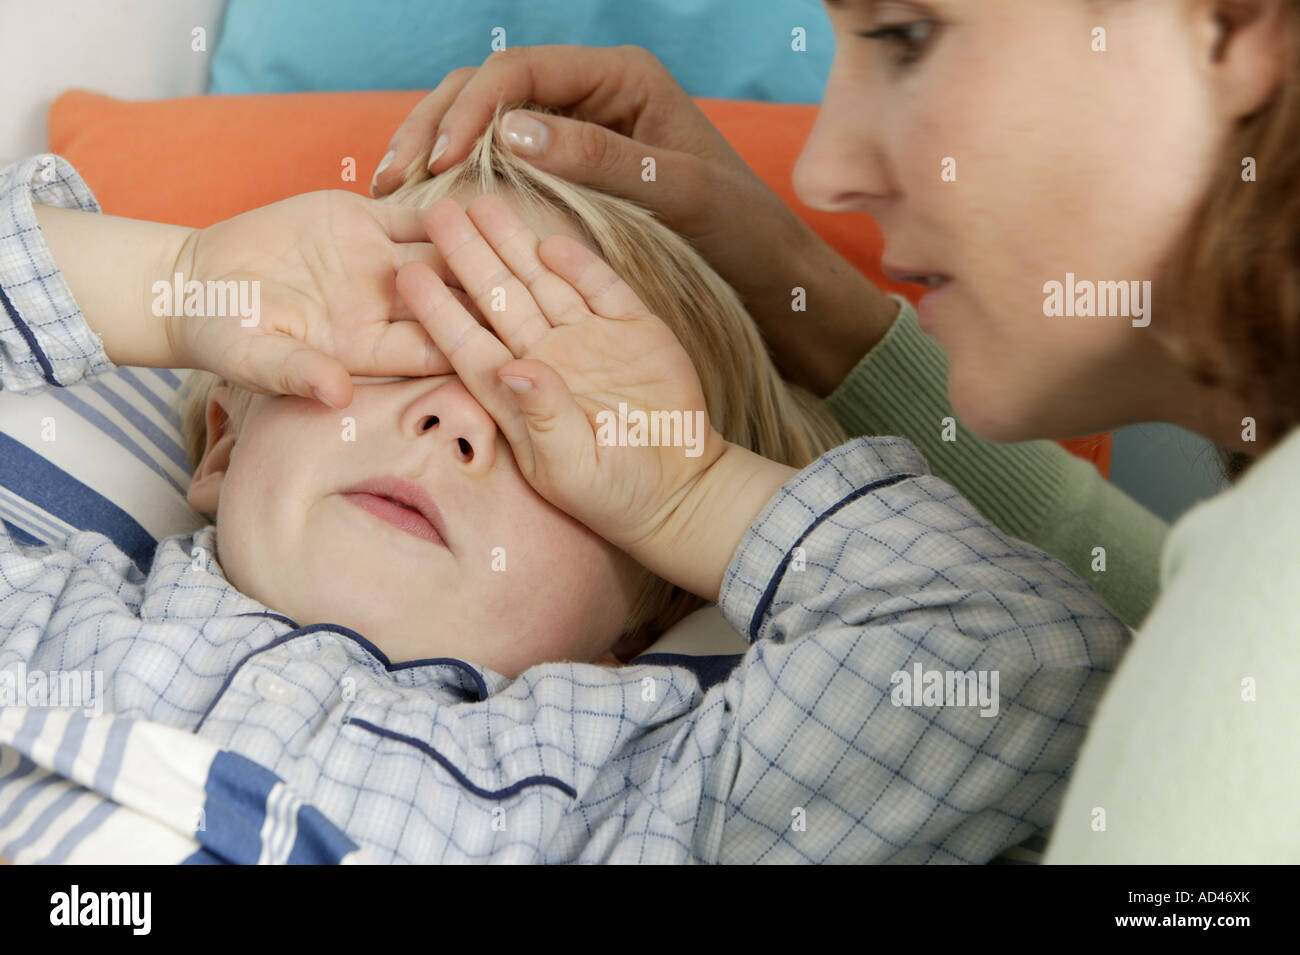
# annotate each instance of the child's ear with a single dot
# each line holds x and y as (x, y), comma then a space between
(205, 486)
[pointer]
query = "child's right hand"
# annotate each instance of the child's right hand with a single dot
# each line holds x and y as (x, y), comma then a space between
(572, 345)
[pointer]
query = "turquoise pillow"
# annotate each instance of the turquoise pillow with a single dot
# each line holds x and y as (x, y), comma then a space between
(731, 49)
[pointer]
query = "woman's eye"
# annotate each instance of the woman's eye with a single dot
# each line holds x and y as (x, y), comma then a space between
(910, 37)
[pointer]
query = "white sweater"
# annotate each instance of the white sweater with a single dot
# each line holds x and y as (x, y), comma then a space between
(1194, 755)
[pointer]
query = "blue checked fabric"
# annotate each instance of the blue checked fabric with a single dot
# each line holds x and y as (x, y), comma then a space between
(861, 567)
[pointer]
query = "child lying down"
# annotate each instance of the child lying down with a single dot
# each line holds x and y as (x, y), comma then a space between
(431, 654)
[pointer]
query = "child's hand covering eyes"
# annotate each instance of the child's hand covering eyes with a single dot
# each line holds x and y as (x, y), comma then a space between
(585, 343)
(324, 264)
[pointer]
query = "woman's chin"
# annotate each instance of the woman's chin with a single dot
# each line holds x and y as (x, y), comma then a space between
(982, 406)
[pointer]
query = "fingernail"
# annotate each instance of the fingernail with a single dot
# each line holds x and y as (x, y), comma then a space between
(322, 399)
(439, 148)
(525, 135)
(516, 384)
(383, 163)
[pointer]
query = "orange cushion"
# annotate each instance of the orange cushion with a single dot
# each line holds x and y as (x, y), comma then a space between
(199, 160)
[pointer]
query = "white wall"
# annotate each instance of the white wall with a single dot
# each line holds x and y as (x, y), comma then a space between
(133, 49)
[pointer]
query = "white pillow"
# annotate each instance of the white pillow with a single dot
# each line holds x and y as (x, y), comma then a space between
(133, 49)
(702, 633)
(104, 455)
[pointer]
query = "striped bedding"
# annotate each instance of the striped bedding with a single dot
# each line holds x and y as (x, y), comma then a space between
(106, 455)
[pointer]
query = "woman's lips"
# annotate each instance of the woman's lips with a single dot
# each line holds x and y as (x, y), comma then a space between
(925, 308)
(403, 518)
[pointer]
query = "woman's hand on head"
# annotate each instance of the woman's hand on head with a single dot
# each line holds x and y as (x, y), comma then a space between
(627, 98)
(584, 349)
(633, 109)
(316, 274)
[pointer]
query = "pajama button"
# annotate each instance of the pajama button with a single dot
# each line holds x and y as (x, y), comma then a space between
(272, 688)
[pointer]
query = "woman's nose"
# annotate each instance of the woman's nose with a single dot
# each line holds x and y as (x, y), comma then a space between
(450, 416)
(840, 168)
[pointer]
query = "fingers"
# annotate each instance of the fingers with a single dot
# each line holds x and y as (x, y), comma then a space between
(404, 349)
(605, 84)
(426, 254)
(590, 154)
(438, 312)
(604, 292)
(488, 280)
(474, 353)
(283, 365)
(417, 132)
(610, 87)
(560, 437)
(516, 245)
(402, 224)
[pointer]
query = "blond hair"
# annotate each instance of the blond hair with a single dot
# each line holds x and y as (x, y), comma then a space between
(748, 402)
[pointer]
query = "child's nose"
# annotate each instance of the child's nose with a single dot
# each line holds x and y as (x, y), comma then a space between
(449, 415)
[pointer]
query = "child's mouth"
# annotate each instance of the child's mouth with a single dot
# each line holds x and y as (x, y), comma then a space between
(402, 516)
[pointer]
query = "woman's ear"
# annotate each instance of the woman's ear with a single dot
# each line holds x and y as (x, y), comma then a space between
(1250, 45)
(205, 486)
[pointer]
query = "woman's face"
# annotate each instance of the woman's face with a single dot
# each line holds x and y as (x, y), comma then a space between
(999, 146)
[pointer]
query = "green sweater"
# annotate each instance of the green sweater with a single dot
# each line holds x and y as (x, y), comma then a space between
(1035, 490)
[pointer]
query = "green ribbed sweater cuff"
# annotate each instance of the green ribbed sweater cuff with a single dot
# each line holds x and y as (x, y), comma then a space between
(1033, 490)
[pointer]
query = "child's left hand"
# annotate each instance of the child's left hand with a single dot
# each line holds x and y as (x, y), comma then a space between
(583, 342)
